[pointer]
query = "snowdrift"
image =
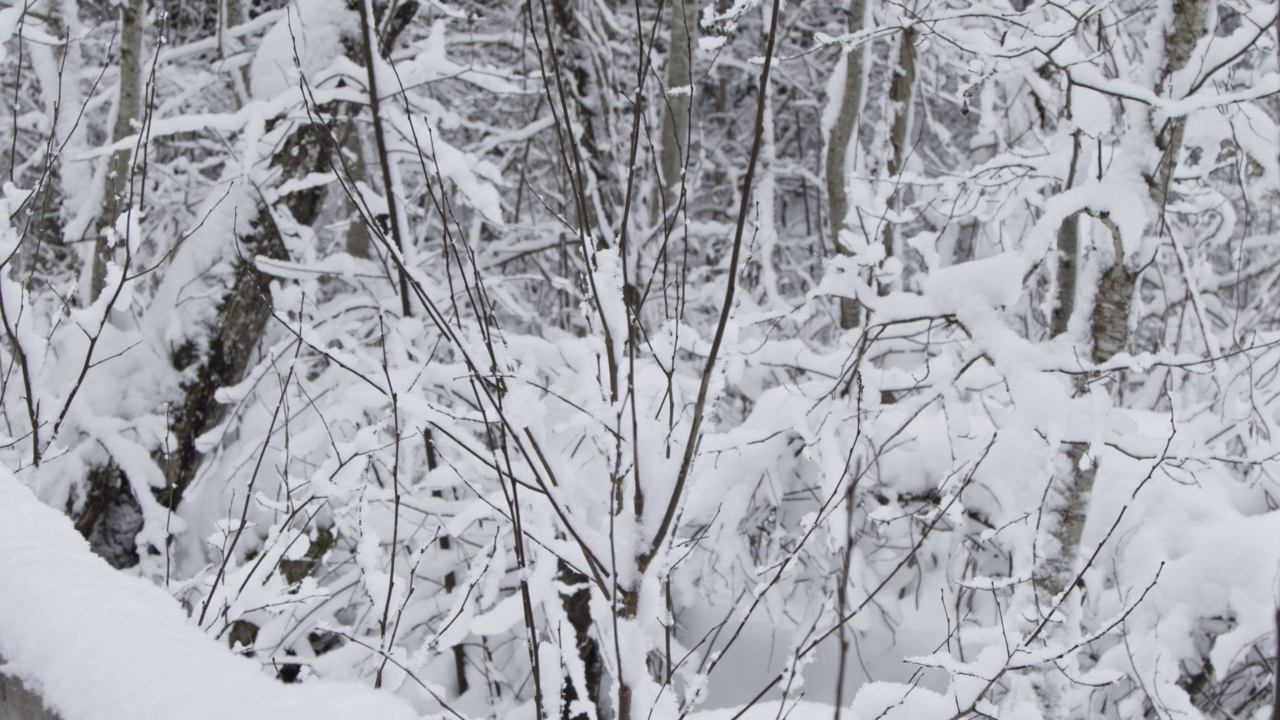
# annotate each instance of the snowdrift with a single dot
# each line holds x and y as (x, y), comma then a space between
(96, 644)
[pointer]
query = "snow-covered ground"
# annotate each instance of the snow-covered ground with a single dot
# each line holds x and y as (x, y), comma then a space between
(97, 644)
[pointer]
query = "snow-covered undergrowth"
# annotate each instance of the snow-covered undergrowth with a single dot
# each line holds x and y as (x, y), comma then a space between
(97, 644)
(459, 398)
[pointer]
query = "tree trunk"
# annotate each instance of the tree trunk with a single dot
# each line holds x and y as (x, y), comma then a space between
(357, 240)
(842, 136)
(577, 607)
(1109, 335)
(1068, 270)
(900, 98)
(231, 14)
(110, 518)
(583, 54)
(243, 313)
(119, 178)
(1110, 321)
(675, 115)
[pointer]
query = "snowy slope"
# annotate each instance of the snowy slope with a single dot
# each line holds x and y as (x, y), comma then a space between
(99, 645)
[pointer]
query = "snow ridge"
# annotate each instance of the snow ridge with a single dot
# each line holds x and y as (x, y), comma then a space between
(97, 644)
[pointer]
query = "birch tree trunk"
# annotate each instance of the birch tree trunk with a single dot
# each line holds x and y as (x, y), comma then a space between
(675, 115)
(1108, 332)
(1109, 318)
(1068, 251)
(1110, 321)
(119, 177)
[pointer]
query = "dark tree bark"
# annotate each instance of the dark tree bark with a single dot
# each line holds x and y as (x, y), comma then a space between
(1068, 268)
(577, 606)
(901, 90)
(243, 313)
(583, 55)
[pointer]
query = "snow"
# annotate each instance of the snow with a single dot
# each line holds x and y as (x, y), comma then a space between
(913, 454)
(14, 20)
(1091, 111)
(307, 39)
(9, 18)
(96, 644)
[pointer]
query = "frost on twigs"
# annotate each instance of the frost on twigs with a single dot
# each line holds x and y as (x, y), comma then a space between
(570, 360)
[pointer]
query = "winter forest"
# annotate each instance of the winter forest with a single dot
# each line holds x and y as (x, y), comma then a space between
(640, 359)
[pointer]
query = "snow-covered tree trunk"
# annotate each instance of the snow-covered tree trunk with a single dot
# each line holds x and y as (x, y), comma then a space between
(117, 191)
(232, 14)
(676, 104)
(1109, 329)
(242, 313)
(901, 90)
(358, 240)
(108, 517)
(63, 186)
(1057, 568)
(841, 145)
(1109, 320)
(585, 88)
(1067, 274)
(575, 58)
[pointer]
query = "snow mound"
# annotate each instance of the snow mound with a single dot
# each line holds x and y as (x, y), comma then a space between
(96, 644)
